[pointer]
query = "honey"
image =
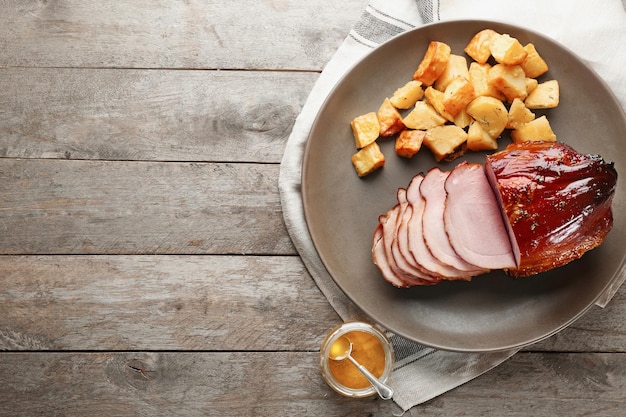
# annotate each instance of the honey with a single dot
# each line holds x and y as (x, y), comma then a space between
(370, 348)
(366, 350)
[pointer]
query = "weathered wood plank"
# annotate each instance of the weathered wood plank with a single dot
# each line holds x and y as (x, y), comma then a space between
(174, 34)
(289, 383)
(65, 207)
(198, 303)
(149, 115)
(531, 384)
(166, 384)
(160, 303)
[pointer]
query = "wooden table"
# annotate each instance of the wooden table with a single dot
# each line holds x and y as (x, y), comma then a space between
(145, 269)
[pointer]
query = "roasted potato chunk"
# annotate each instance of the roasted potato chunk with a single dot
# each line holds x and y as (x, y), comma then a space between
(423, 116)
(409, 142)
(479, 140)
(479, 47)
(518, 114)
(490, 113)
(433, 64)
(457, 67)
(435, 98)
(406, 96)
(368, 159)
(390, 119)
(533, 65)
(509, 80)
(463, 119)
(446, 142)
(531, 84)
(544, 96)
(458, 94)
(535, 130)
(507, 50)
(365, 129)
(479, 76)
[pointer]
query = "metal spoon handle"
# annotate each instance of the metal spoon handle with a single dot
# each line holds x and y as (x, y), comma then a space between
(383, 390)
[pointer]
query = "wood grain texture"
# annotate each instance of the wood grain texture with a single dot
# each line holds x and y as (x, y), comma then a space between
(269, 34)
(66, 207)
(151, 302)
(541, 384)
(145, 269)
(216, 116)
(155, 303)
(289, 383)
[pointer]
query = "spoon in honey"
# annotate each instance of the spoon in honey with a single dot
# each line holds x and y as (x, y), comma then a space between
(341, 349)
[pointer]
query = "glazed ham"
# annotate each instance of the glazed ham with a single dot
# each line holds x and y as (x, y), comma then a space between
(557, 202)
(532, 207)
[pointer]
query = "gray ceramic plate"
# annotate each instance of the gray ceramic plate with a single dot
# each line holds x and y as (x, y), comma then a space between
(493, 312)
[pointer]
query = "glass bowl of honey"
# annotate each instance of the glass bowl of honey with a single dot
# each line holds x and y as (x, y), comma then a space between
(370, 348)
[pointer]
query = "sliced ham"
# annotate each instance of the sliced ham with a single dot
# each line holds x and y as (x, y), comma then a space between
(473, 219)
(391, 238)
(380, 260)
(402, 238)
(416, 240)
(388, 269)
(433, 190)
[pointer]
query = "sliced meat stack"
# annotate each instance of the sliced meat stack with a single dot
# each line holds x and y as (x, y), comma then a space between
(532, 207)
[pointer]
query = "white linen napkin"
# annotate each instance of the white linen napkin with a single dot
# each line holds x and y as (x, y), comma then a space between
(422, 373)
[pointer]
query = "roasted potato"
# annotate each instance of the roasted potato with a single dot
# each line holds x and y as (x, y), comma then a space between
(409, 142)
(479, 140)
(533, 65)
(446, 142)
(406, 96)
(458, 94)
(365, 129)
(507, 50)
(544, 96)
(423, 116)
(463, 119)
(510, 80)
(479, 76)
(368, 159)
(433, 64)
(518, 114)
(390, 119)
(435, 98)
(535, 130)
(479, 47)
(457, 67)
(531, 84)
(490, 113)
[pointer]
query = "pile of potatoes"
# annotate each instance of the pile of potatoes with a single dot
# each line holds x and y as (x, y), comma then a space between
(451, 107)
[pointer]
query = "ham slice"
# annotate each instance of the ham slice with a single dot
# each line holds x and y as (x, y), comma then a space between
(402, 239)
(434, 193)
(473, 219)
(417, 242)
(380, 260)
